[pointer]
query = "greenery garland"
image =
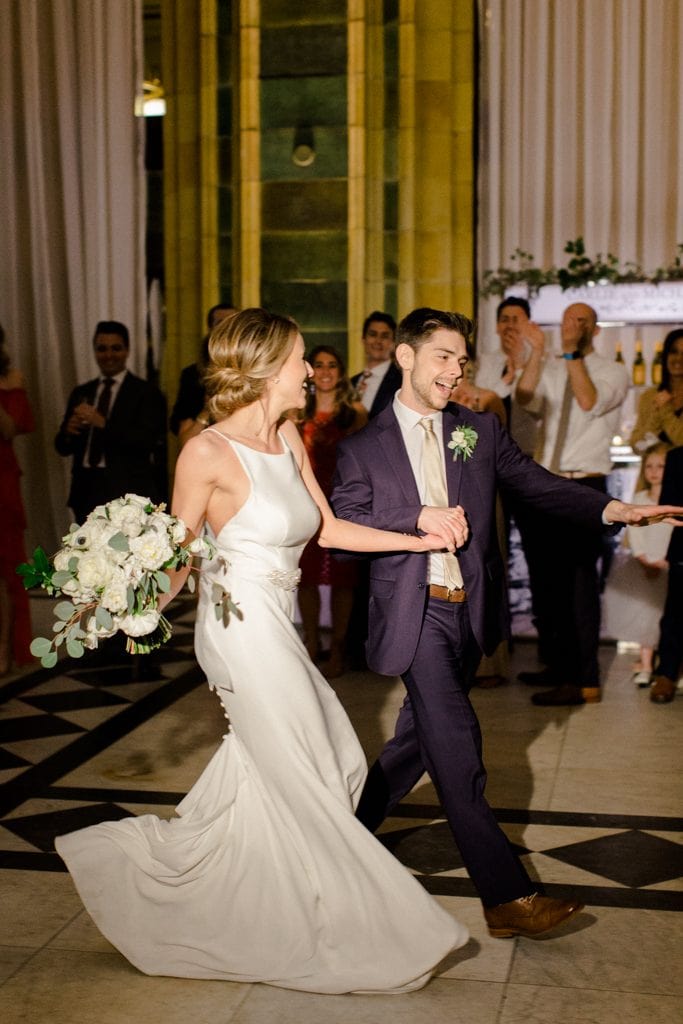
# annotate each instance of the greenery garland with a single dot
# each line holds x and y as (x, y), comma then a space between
(580, 271)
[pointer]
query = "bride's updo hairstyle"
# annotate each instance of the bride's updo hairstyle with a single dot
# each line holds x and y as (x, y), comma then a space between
(245, 351)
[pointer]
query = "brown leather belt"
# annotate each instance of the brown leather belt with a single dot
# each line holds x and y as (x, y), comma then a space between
(571, 474)
(444, 594)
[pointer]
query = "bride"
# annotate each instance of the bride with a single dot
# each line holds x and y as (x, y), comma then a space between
(265, 874)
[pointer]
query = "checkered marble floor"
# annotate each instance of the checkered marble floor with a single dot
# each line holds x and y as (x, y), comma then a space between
(590, 798)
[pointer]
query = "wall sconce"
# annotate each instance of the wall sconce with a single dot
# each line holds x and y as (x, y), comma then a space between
(152, 103)
(303, 152)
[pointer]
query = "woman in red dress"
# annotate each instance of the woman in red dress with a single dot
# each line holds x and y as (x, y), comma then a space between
(330, 415)
(16, 417)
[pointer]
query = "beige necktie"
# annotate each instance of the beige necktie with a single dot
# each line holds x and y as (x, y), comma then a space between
(437, 494)
(562, 426)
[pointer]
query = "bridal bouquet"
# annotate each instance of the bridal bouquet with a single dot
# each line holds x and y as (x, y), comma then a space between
(111, 570)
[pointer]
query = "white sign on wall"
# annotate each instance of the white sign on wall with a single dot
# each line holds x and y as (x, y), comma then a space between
(614, 303)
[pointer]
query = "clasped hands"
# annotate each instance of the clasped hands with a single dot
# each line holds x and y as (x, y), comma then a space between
(84, 416)
(443, 527)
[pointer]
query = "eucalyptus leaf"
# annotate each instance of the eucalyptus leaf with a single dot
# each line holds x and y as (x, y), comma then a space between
(61, 577)
(163, 581)
(64, 610)
(103, 618)
(74, 648)
(130, 598)
(58, 626)
(59, 639)
(49, 660)
(217, 593)
(218, 608)
(73, 564)
(40, 647)
(119, 542)
(191, 583)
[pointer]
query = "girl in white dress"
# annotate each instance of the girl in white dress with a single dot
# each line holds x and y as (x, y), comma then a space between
(636, 586)
(265, 875)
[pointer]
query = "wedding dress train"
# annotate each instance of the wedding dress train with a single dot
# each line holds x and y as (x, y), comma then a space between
(265, 875)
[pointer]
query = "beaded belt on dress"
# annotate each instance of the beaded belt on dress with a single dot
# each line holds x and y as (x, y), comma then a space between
(286, 579)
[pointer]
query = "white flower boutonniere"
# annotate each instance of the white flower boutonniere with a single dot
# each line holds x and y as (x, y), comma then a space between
(463, 442)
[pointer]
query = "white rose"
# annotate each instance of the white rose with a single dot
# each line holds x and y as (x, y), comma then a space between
(94, 633)
(62, 559)
(129, 519)
(151, 549)
(178, 531)
(114, 597)
(137, 499)
(73, 589)
(94, 570)
(199, 547)
(139, 625)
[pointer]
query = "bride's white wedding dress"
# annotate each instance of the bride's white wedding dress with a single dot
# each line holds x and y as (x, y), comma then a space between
(265, 875)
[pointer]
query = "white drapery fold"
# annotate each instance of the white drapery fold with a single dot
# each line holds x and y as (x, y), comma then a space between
(581, 132)
(72, 205)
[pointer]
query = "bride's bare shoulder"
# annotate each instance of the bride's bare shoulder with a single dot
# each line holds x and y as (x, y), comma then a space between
(210, 449)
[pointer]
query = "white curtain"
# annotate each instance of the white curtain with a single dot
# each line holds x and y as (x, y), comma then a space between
(72, 204)
(581, 132)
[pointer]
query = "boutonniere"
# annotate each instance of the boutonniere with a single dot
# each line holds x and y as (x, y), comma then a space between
(463, 442)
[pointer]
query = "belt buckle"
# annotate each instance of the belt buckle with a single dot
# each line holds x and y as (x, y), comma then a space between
(455, 595)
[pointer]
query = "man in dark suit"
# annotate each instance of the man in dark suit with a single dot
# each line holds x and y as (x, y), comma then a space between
(377, 384)
(670, 647)
(114, 428)
(431, 617)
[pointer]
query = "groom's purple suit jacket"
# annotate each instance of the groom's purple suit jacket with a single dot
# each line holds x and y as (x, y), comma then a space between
(374, 485)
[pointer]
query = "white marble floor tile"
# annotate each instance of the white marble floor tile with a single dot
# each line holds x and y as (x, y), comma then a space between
(483, 958)
(35, 906)
(64, 987)
(441, 1001)
(542, 1005)
(608, 949)
(617, 792)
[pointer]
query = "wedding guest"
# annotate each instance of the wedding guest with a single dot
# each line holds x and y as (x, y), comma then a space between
(329, 415)
(670, 646)
(16, 417)
(636, 585)
(579, 394)
(189, 415)
(379, 380)
(432, 616)
(660, 409)
(114, 429)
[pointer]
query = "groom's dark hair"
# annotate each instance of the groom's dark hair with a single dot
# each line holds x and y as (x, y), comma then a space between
(417, 327)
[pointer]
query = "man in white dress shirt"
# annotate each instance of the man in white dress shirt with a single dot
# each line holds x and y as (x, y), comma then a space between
(579, 395)
(377, 384)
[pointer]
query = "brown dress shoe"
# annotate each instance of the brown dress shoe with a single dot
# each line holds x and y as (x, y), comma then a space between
(663, 690)
(529, 916)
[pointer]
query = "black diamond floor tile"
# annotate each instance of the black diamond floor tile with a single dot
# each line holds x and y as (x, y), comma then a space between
(10, 760)
(428, 849)
(630, 858)
(40, 829)
(73, 700)
(31, 727)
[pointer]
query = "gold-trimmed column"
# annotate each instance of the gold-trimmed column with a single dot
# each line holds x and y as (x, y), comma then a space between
(246, 131)
(436, 164)
(365, 123)
(190, 178)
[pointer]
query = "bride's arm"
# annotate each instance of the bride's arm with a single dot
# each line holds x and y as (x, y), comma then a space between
(347, 536)
(193, 486)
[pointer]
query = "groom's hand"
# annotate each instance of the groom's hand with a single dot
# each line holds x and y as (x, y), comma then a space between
(448, 523)
(642, 515)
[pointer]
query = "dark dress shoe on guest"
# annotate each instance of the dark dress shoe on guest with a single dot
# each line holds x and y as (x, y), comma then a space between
(541, 678)
(529, 916)
(566, 696)
(663, 690)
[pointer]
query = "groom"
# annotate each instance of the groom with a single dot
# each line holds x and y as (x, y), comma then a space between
(432, 616)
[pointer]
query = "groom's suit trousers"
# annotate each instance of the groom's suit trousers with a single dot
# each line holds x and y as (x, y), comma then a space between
(438, 732)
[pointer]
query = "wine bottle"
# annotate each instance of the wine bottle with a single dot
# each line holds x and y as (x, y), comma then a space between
(618, 357)
(657, 364)
(638, 370)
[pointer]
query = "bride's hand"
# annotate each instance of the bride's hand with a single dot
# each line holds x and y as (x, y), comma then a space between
(434, 542)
